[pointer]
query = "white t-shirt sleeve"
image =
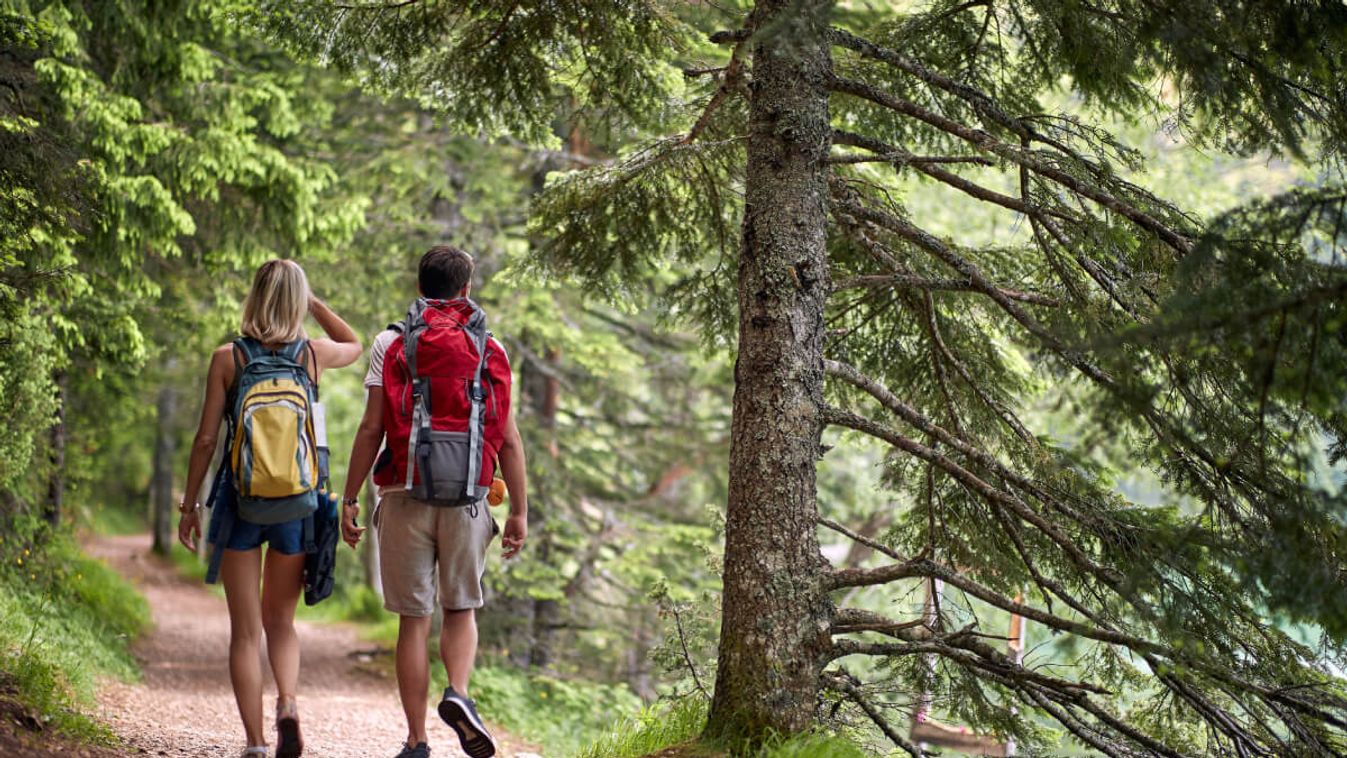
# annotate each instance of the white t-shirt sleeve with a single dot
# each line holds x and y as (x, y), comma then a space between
(374, 377)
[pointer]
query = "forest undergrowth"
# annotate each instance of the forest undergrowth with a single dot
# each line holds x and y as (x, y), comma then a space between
(66, 620)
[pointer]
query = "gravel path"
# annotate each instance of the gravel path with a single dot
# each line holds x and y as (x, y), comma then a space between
(184, 705)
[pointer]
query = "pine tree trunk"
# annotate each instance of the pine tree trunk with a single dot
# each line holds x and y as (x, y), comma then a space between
(161, 478)
(57, 437)
(774, 631)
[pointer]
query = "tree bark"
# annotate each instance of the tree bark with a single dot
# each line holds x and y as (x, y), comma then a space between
(161, 478)
(774, 631)
(57, 438)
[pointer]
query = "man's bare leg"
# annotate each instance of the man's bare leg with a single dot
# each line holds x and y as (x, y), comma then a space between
(458, 647)
(413, 671)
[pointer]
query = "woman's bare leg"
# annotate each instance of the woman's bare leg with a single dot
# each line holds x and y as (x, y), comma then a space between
(240, 571)
(282, 582)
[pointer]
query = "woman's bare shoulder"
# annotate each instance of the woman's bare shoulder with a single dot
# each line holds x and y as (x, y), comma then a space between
(222, 362)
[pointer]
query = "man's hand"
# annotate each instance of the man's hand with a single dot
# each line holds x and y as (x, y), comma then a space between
(516, 531)
(350, 532)
(189, 529)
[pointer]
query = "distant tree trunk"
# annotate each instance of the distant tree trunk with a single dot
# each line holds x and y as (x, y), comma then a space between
(639, 675)
(546, 612)
(161, 478)
(774, 631)
(57, 438)
(369, 556)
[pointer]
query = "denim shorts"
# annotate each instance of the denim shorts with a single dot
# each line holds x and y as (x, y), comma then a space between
(286, 537)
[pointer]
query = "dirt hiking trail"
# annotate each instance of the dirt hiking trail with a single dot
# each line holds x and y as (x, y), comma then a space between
(184, 705)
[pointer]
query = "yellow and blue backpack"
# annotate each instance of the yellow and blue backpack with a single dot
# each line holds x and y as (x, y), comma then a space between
(274, 456)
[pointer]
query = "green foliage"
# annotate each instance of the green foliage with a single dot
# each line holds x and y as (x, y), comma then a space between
(151, 147)
(678, 724)
(653, 729)
(1133, 438)
(65, 621)
(492, 67)
(661, 219)
(812, 745)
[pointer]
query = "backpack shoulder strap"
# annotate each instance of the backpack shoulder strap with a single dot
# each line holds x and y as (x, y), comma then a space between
(413, 325)
(477, 332)
(295, 350)
(244, 349)
(249, 348)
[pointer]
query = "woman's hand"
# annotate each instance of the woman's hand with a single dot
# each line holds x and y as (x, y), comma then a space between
(189, 529)
(350, 531)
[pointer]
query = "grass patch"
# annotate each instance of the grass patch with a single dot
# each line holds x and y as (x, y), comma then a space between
(652, 729)
(189, 565)
(813, 745)
(112, 520)
(672, 731)
(65, 620)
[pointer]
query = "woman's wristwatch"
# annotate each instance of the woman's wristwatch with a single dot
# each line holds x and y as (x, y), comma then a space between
(350, 501)
(185, 509)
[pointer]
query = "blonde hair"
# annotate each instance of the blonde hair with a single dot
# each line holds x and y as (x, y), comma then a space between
(276, 304)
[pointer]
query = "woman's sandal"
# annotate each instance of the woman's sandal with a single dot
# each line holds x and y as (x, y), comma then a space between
(289, 743)
(255, 750)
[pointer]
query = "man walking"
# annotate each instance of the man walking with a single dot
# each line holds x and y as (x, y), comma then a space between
(438, 394)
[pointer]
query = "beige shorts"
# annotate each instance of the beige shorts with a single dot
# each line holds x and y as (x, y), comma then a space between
(420, 543)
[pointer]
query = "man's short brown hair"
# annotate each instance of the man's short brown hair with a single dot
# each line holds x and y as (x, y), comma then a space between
(444, 271)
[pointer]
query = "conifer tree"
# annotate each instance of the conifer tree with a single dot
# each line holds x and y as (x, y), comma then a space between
(1208, 351)
(145, 152)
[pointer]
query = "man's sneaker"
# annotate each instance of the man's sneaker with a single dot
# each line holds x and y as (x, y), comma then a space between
(460, 714)
(420, 750)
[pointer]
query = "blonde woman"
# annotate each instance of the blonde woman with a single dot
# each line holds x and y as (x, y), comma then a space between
(273, 321)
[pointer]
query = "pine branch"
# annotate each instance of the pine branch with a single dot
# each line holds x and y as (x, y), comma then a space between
(925, 567)
(838, 681)
(977, 191)
(731, 79)
(1165, 429)
(886, 258)
(1086, 733)
(946, 253)
(986, 491)
(914, 417)
(898, 160)
(961, 648)
(947, 285)
(855, 620)
(982, 103)
(873, 545)
(988, 143)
